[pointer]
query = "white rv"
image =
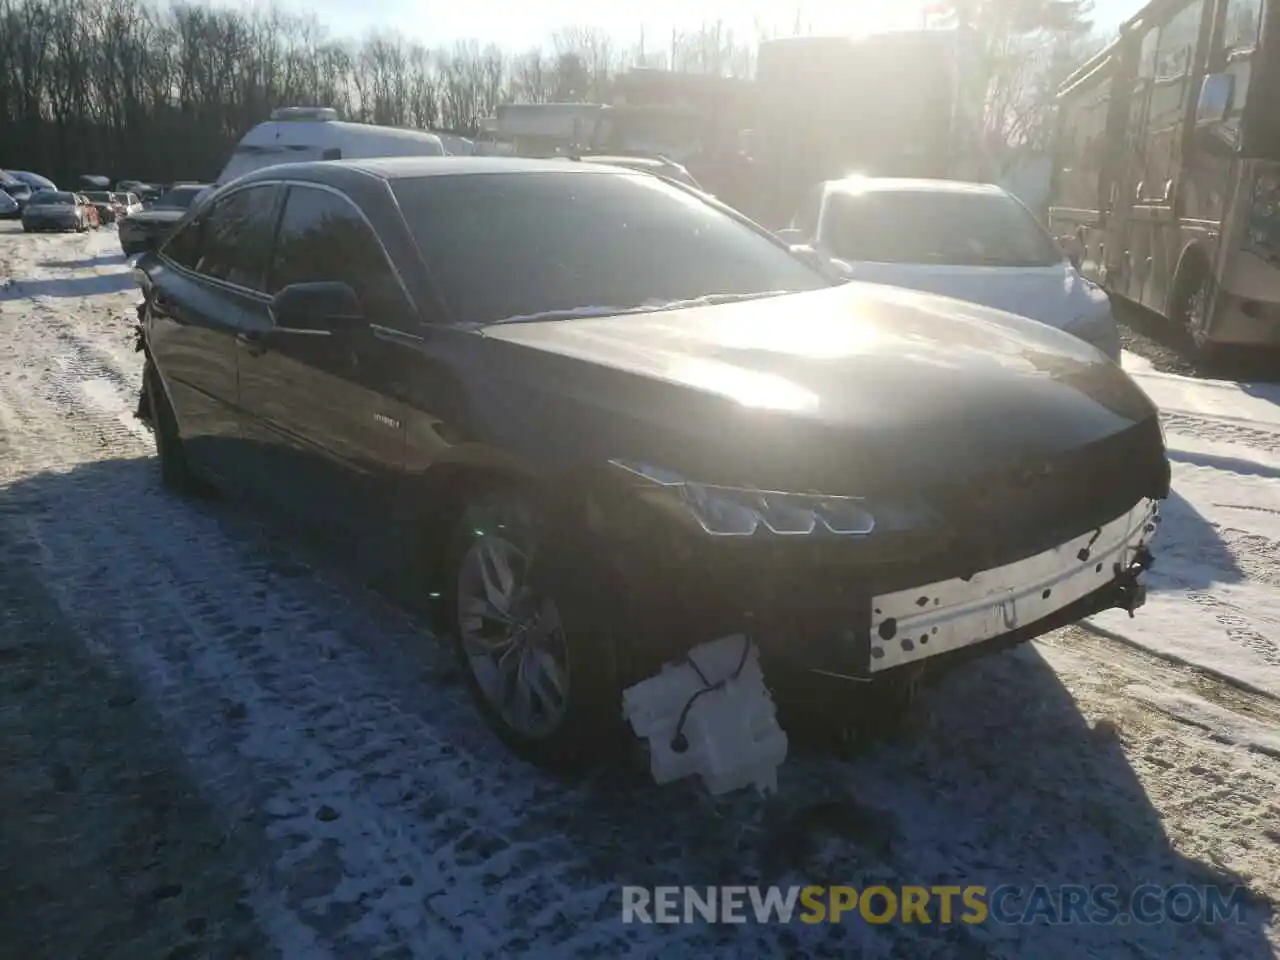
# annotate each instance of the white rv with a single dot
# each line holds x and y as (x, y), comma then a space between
(296, 134)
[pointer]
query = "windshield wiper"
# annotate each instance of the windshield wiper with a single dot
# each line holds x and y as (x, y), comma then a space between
(579, 313)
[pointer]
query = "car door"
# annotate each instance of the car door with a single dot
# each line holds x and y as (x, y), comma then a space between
(318, 401)
(207, 287)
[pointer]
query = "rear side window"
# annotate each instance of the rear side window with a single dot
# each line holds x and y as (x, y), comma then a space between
(237, 237)
(323, 237)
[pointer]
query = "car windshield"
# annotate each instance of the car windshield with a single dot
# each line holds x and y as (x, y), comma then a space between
(98, 197)
(179, 198)
(51, 197)
(935, 227)
(531, 244)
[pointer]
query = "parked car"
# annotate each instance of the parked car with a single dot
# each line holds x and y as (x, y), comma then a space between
(148, 194)
(58, 210)
(126, 204)
(970, 241)
(143, 229)
(9, 209)
(604, 418)
(18, 190)
(33, 180)
(105, 203)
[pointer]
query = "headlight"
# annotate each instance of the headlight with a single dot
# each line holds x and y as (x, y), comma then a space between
(738, 512)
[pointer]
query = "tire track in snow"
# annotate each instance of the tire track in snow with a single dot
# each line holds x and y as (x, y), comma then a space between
(1222, 430)
(1234, 552)
(433, 818)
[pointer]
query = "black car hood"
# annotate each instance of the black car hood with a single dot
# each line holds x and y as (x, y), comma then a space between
(157, 217)
(859, 385)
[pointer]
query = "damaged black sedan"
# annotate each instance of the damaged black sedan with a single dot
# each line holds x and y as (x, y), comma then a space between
(640, 460)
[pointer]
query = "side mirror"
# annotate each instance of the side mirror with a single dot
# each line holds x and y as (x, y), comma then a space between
(1217, 90)
(142, 267)
(802, 251)
(323, 307)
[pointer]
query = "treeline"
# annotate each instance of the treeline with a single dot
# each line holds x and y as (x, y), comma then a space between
(127, 88)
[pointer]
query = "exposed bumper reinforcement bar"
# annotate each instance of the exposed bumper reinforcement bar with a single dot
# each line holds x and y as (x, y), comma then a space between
(923, 622)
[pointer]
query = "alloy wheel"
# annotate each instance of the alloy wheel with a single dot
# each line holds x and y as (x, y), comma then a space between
(513, 637)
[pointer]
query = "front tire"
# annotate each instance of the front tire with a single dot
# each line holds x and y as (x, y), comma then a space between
(174, 471)
(542, 672)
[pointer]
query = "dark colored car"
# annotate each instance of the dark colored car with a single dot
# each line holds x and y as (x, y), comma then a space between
(601, 419)
(33, 180)
(658, 166)
(19, 190)
(143, 229)
(58, 210)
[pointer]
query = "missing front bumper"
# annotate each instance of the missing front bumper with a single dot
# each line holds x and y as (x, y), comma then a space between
(705, 716)
(924, 622)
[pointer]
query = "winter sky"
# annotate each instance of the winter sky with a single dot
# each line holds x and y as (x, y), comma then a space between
(524, 25)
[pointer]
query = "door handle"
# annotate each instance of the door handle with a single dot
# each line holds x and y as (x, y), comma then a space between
(253, 343)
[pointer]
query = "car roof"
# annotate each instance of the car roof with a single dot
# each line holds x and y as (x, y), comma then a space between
(854, 185)
(623, 161)
(396, 168)
(358, 175)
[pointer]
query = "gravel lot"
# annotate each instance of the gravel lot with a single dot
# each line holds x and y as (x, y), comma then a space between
(1166, 346)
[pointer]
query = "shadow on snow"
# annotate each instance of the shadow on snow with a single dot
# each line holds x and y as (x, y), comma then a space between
(1002, 782)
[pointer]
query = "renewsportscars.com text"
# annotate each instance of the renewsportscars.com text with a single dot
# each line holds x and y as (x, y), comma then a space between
(1066, 904)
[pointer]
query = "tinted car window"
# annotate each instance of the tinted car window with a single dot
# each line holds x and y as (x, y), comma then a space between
(962, 229)
(323, 237)
(236, 239)
(53, 197)
(508, 245)
(183, 245)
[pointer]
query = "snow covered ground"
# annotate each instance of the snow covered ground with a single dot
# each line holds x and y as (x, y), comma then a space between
(366, 813)
(1215, 598)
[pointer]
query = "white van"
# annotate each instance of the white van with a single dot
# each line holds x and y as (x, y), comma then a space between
(297, 134)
